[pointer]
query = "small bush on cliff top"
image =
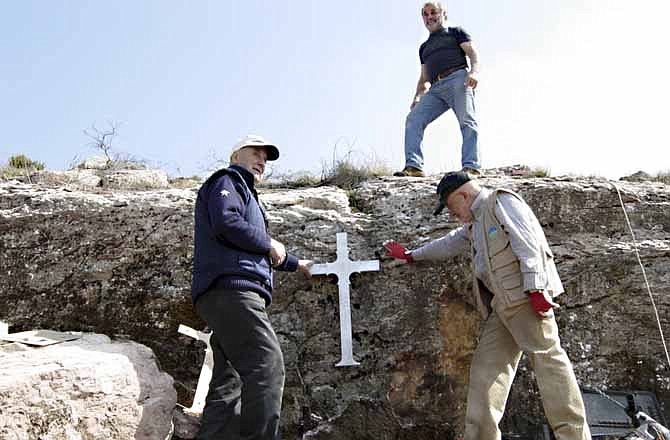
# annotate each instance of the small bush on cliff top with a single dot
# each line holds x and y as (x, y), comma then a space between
(347, 173)
(540, 172)
(23, 162)
(19, 166)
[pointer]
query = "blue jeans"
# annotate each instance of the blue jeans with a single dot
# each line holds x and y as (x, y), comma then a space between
(448, 93)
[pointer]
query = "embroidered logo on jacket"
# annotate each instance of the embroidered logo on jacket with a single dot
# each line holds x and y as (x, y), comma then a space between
(493, 231)
(225, 193)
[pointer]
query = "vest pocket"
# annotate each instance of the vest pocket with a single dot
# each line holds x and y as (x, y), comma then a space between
(511, 280)
(510, 276)
(503, 258)
(513, 286)
(497, 240)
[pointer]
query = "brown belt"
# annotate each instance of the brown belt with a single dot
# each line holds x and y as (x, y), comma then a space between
(446, 73)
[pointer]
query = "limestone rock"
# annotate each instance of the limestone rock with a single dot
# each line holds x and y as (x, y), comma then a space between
(88, 388)
(639, 176)
(135, 179)
(12, 347)
(119, 262)
(94, 163)
(79, 178)
(513, 170)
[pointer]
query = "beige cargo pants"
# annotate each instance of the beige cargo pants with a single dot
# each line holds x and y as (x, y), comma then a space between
(507, 333)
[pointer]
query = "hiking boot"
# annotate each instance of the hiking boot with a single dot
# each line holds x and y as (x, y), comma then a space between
(410, 172)
(472, 172)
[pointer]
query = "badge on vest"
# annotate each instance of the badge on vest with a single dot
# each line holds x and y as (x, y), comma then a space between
(225, 193)
(493, 231)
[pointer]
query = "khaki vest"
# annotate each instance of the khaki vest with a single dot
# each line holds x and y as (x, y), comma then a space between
(504, 271)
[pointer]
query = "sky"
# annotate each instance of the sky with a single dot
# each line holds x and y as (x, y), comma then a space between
(571, 86)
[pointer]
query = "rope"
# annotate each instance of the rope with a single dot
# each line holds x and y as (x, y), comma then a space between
(644, 274)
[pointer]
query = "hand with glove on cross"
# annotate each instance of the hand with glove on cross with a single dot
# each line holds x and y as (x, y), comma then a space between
(398, 251)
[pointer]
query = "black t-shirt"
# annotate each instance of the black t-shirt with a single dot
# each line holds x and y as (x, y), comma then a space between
(442, 50)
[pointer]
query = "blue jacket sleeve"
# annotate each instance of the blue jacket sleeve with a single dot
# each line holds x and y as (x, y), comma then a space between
(226, 206)
(290, 264)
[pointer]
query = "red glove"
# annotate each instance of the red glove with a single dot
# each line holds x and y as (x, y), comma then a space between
(398, 251)
(540, 303)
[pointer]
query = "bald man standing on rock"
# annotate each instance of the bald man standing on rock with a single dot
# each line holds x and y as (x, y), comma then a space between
(514, 285)
(444, 60)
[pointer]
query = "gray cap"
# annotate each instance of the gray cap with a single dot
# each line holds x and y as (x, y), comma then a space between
(449, 183)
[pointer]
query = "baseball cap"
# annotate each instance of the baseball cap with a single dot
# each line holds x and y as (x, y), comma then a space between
(252, 140)
(450, 182)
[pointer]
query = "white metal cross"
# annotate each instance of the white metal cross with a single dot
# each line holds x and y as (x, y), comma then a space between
(205, 372)
(343, 267)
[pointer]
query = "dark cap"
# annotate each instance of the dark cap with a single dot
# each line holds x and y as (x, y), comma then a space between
(449, 183)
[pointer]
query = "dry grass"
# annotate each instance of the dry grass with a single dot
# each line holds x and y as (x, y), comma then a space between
(8, 173)
(347, 174)
(540, 172)
(663, 176)
(185, 182)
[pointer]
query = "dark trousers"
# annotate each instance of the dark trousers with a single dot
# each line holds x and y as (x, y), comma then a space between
(245, 394)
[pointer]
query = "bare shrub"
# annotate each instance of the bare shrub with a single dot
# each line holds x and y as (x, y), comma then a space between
(663, 176)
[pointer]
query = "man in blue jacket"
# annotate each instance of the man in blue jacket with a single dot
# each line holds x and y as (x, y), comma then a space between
(232, 285)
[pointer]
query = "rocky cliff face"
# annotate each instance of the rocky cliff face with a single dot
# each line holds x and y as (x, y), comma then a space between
(119, 263)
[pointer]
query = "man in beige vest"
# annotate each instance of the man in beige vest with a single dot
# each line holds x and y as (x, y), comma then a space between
(515, 281)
